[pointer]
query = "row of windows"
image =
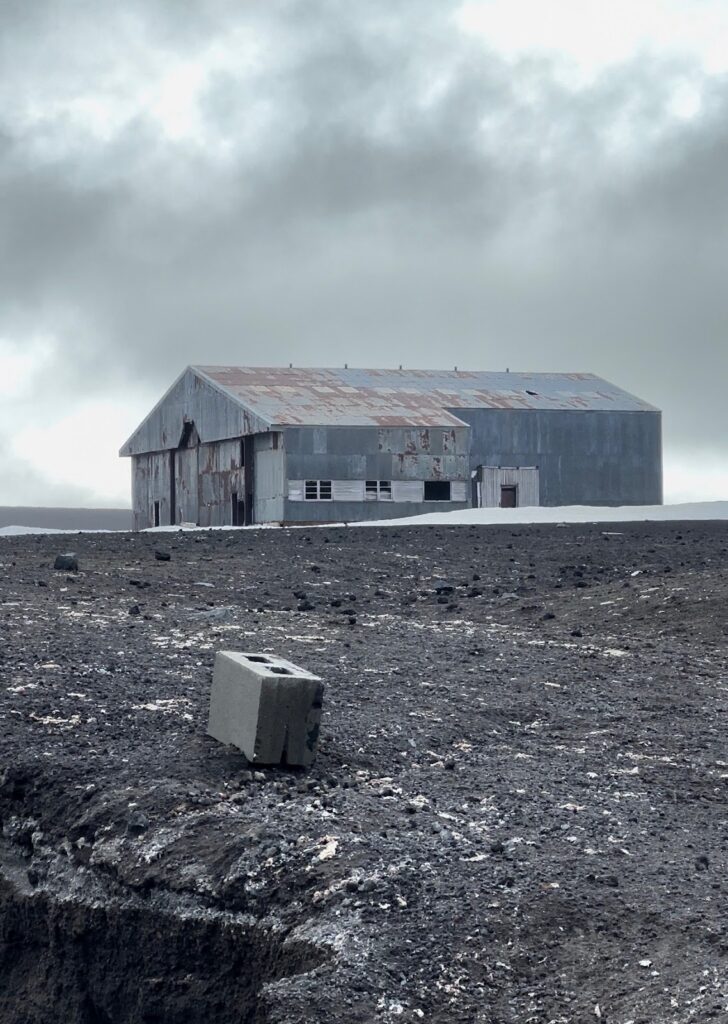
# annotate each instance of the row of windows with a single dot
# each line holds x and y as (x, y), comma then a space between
(380, 490)
(321, 490)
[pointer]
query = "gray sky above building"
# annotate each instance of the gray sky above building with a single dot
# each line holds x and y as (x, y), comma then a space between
(503, 183)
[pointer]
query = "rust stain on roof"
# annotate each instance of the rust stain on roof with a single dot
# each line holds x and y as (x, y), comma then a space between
(292, 396)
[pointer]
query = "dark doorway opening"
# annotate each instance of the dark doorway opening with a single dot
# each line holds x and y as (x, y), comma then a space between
(157, 521)
(509, 496)
(238, 510)
(437, 490)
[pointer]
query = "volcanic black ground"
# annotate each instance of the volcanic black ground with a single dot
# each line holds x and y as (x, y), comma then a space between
(518, 812)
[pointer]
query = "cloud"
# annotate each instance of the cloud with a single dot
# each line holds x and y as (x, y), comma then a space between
(321, 183)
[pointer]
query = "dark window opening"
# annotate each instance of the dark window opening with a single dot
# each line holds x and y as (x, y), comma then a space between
(437, 490)
(311, 490)
(276, 442)
(188, 438)
(385, 490)
(157, 521)
(325, 490)
(371, 490)
(280, 671)
(238, 510)
(509, 496)
(257, 658)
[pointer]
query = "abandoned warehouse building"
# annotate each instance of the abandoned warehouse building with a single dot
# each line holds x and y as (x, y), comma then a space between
(232, 445)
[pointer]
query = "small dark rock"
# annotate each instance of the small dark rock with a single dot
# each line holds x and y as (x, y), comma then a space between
(66, 563)
(136, 823)
(135, 610)
(162, 556)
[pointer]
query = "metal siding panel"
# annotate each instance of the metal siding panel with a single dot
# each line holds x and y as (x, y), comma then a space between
(408, 490)
(347, 490)
(219, 476)
(327, 467)
(217, 416)
(187, 485)
(269, 482)
(584, 458)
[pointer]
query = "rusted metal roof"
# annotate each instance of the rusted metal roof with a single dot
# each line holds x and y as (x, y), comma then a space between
(304, 396)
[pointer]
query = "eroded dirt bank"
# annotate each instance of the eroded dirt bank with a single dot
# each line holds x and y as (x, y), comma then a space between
(518, 813)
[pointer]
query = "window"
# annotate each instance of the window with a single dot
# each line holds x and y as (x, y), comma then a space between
(437, 490)
(156, 513)
(317, 490)
(378, 490)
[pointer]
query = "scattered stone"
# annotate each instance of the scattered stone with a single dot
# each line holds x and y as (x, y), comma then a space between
(162, 556)
(136, 823)
(66, 563)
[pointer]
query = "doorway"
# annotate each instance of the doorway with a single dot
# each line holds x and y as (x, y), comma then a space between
(238, 510)
(509, 496)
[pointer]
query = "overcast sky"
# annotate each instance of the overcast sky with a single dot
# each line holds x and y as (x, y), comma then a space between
(539, 184)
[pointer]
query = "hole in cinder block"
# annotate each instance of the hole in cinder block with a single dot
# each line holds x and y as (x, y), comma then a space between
(257, 657)
(280, 671)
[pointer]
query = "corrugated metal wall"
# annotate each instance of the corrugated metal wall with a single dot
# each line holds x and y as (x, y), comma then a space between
(150, 482)
(584, 457)
(192, 399)
(492, 478)
(219, 476)
(269, 481)
(205, 478)
(349, 456)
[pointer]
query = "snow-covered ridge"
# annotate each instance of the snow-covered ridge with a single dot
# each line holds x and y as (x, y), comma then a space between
(700, 510)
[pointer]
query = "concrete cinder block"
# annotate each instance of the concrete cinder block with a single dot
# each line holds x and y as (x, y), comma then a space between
(267, 707)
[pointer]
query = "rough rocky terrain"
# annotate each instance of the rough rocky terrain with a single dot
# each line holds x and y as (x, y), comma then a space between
(518, 813)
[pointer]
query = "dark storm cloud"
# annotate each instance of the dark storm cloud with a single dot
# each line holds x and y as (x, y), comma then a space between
(378, 189)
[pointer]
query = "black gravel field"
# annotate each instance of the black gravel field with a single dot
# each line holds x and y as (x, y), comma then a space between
(519, 812)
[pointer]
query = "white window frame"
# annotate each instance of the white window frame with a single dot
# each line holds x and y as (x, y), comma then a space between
(378, 490)
(316, 486)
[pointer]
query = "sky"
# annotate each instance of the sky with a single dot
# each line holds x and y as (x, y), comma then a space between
(532, 184)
